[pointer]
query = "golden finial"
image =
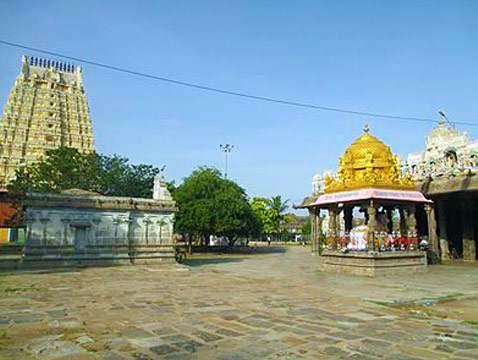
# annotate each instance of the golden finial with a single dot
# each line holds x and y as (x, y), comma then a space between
(366, 129)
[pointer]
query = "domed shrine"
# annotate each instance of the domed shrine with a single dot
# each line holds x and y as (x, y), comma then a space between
(368, 162)
(369, 185)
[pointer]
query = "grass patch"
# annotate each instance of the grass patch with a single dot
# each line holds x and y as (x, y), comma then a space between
(19, 290)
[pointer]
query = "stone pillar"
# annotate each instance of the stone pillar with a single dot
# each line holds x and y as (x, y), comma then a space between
(116, 222)
(147, 221)
(95, 231)
(444, 250)
(30, 221)
(371, 224)
(314, 214)
(432, 234)
(348, 218)
(318, 227)
(66, 222)
(469, 248)
(332, 227)
(44, 237)
(161, 223)
(338, 222)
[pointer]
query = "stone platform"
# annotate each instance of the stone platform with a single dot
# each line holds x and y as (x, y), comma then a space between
(373, 263)
(96, 255)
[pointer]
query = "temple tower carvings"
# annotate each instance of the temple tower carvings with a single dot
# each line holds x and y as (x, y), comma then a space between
(46, 108)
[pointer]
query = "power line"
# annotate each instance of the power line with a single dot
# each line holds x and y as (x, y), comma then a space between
(228, 92)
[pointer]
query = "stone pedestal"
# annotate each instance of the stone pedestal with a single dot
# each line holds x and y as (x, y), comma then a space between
(375, 263)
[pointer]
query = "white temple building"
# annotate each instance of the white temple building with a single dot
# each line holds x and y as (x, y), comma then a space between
(447, 151)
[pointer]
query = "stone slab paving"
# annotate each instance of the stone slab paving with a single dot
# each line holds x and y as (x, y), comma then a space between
(266, 306)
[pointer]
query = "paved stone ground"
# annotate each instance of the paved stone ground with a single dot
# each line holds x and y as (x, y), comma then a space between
(267, 306)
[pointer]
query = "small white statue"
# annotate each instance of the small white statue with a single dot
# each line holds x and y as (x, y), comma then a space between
(160, 191)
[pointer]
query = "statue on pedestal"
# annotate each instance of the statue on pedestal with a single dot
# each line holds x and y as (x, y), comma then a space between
(160, 191)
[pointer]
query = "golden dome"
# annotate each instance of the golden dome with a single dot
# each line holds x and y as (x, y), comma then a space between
(368, 163)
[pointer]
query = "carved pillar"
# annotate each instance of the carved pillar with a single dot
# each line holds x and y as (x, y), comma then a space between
(316, 226)
(44, 238)
(147, 222)
(332, 227)
(469, 248)
(116, 223)
(65, 222)
(95, 231)
(432, 234)
(444, 250)
(30, 220)
(161, 224)
(338, 221)
(169, 231)
(318, 231)
(313, 230)
(129, 234)
(371, 224)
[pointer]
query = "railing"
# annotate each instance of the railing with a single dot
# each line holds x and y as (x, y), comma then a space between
(381, 242)
(46, 63)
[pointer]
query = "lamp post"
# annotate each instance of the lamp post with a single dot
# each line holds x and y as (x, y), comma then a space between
(226, 149)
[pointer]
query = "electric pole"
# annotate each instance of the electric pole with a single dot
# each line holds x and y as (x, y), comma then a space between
(226, 149)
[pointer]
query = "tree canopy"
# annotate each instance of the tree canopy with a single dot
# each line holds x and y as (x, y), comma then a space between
(65, 168)
(211, 205)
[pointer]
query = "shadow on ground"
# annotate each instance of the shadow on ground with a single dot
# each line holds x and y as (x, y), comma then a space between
(205, 262)
(246, 250)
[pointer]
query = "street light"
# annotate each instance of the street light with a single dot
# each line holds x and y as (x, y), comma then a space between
(443, 116)
(226, 149)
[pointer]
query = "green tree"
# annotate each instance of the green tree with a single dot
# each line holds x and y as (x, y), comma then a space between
(307, 228)
(211, 205)
(278, 207)
(261, 210)
(234, 217)
(66, 168)
(195, 199)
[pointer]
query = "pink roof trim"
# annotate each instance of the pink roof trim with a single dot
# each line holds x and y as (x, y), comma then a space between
(378, 194)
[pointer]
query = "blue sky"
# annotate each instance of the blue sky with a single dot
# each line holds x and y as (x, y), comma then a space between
(407, 58)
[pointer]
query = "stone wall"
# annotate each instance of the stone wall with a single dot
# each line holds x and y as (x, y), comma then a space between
(64, 230)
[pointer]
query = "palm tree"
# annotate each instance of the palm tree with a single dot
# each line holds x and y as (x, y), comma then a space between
(278, 207)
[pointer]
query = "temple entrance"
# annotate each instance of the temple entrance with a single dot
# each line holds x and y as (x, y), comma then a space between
(453, 216)
(457, 223)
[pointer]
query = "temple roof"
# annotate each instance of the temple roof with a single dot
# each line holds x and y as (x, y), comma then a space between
(368, 163)
(355, 196)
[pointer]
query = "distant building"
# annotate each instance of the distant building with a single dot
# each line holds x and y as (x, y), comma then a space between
(46, 108)
(293, 226)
